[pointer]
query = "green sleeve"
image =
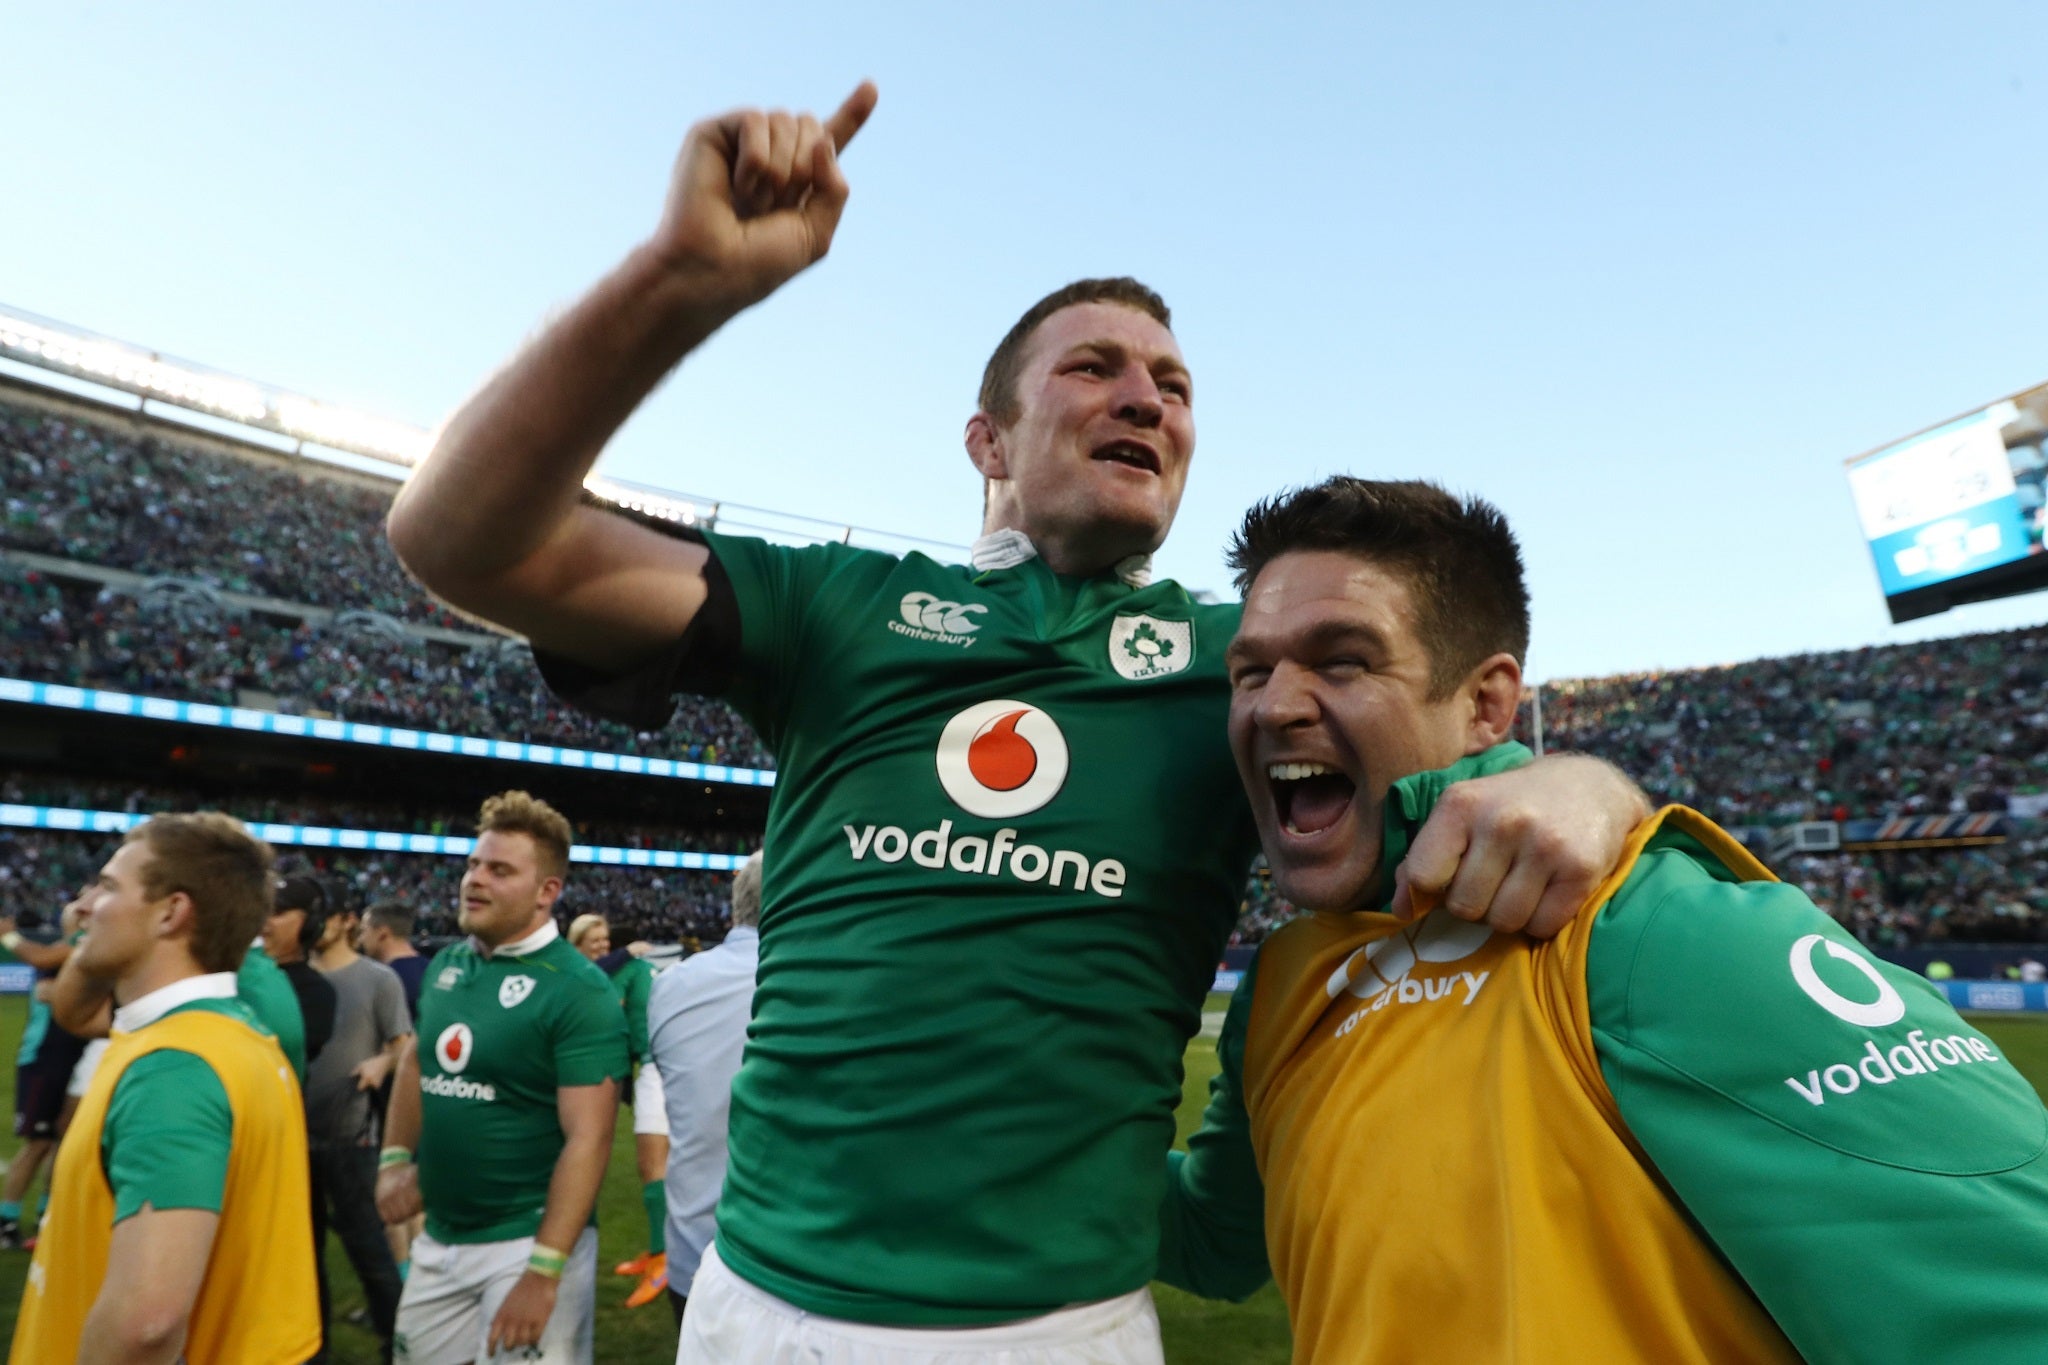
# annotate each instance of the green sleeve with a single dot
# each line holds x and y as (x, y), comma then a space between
(1212, 1224)
(167, 1135)
(1870, 1164)
(633, 993)
(774, 586)
(590, 1036)
(267, 991)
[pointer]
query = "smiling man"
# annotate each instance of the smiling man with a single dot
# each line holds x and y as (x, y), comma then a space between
(1697, 1123)
(1006, 843)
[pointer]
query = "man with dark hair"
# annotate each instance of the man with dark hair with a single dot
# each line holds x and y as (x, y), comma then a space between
(1017, 762)
(178, 1224)
(1702, 1123)
(343, 1119)
(291, 929)
(386, 937)
(501, 1118)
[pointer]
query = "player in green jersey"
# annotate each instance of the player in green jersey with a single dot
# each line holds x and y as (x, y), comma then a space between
(501, 1117)
(632, 978)
(1006, 843)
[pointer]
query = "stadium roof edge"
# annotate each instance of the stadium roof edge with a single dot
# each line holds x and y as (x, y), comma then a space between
(261, 415)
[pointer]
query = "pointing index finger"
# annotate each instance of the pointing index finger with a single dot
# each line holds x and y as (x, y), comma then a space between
(848, 118)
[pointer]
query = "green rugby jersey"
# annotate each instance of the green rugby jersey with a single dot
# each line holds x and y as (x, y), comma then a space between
(497, 1036)
(632, 982)
(1006, 846)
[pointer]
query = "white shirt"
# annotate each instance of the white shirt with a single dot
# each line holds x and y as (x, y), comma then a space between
(696, 1031)
(147, 1009)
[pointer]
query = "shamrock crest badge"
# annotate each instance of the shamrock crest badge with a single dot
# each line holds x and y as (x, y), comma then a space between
(1142, 647)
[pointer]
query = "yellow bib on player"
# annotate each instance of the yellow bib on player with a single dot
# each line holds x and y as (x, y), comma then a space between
(1447, 1176)
(258, 1304)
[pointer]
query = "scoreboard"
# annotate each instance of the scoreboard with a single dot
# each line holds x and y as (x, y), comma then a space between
(1955, 513)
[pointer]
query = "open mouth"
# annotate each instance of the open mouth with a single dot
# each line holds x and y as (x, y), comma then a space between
(1309, 797)
(1136, 454)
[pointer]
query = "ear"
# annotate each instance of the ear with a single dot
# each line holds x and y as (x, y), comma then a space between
(1495, 688)
(985, 447)
(177, 916)
(550, 891)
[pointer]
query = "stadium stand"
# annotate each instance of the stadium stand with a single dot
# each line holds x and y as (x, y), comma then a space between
(140, 557)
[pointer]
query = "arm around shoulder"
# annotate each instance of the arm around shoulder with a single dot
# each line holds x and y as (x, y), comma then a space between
(1212, 1223)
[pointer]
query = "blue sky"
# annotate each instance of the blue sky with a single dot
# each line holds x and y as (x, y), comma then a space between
(1644, 275)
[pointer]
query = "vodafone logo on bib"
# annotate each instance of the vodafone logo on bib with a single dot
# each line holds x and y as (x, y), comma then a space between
(998, 759)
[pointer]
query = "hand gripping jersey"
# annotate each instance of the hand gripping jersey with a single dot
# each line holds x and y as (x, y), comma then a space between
(498, 1036)
(256, 1305)
(1006, 845)
(1471, 1143)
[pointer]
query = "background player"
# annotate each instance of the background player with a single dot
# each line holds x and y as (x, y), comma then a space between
(632, 978)
(697, 1030)
(43, 1066)
(1017, 818)
(179, 1222)
(507, 1103)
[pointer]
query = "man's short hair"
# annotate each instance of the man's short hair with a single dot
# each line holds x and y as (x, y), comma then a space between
(222, 867)
(1459, 558)
(999, 380)
(580, 927)
(392, 917)
(517, 812)
(746, 893)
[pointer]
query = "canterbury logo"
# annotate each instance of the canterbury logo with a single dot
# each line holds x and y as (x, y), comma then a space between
(930, 617)
(1382, 972)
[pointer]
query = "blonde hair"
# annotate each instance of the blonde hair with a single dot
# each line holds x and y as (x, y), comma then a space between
(580, 927)
(517, 812)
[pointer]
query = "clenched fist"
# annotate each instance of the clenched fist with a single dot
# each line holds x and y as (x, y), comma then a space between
(756, 197)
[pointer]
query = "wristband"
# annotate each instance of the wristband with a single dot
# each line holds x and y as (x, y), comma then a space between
(11, 940)
(547, 1262)
(394, 1156)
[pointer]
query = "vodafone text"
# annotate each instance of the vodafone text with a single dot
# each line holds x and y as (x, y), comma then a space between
(1914, 1057)
(937, 848)
(454, 1088)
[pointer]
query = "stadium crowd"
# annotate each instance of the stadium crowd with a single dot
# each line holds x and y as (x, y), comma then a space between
(42, 869)
(118, 642)
(1944, 726)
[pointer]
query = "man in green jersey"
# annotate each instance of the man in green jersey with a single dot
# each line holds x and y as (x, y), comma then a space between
(633, 979)
(43, 1065)
(501, 1117)
(1006, 843)
(1700, 1122)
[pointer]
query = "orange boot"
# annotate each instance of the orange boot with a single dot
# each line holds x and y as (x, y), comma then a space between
(652, 1283)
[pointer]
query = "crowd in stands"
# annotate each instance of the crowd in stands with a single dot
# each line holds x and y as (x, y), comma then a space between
(1939, 727)
(50, 632)
(42, 869)
(158, 505)
(252, 805)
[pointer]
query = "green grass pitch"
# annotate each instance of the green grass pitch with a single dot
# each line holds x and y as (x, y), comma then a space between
(1197, 1332)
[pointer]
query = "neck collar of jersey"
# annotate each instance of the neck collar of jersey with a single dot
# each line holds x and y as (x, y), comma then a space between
(146, 1010)
(1009, 547)
(522, 947)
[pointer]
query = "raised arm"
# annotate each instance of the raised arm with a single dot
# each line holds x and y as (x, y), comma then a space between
(492, 520)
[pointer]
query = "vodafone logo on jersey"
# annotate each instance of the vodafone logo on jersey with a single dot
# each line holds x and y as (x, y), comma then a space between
(453, 1048)
(999, 759)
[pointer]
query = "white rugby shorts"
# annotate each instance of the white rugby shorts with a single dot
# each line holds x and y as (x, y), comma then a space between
(650, 1103)
(731, 1322)
(453, 1291)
